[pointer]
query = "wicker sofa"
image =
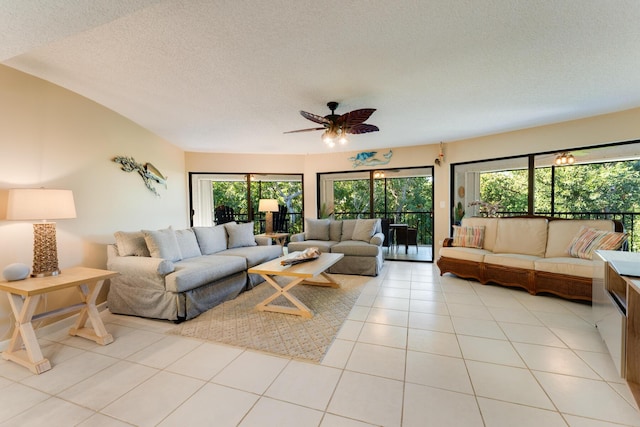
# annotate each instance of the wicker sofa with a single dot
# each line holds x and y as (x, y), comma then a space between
(534, 253)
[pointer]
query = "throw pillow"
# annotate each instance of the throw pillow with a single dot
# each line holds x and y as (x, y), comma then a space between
(131, 243)
(364, 229)
(211, 239)
(588, 240)
(317, 229)
(348, 225)
(335, 230)
(188, 243)
(240, 235)
(468, 236)
(163, 244)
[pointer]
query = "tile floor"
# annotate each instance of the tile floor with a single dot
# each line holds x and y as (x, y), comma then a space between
(417, 350)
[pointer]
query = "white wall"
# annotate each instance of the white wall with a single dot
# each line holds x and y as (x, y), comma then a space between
(53, 138)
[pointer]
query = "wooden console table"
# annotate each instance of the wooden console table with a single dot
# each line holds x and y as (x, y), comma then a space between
(616, 309)
(24, 296)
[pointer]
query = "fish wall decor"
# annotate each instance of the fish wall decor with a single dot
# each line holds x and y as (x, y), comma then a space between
(368, 158)
(149, 173)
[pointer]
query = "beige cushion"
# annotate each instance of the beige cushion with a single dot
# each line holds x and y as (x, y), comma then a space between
(317, 229)
(240, 235)
(468, 254)
(562, 232)
(565, 265)
(490, 229)
(526, 236)
(335, 230)
(163, 244)
(131, 243)
(211, 239)
(188, 243)
(365, 229)
(348, 225)
(512, 260)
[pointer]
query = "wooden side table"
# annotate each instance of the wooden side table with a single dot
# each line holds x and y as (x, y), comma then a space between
(279, 238)
(24, 296)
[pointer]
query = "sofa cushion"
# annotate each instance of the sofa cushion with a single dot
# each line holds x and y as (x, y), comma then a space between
(365, 229)
(563, 231)
(356, 248)
(348, 225)
(335, 230)
(240, 235)
(255, 255)
(322, 245)
(565, 265)
(195, 272)
(468, 254)
(527, 236)
(588, 240)
(317, 229)
(131, 243)
(188, 243)
(163, 244)
(512, 260)
(468, 237)
(211, 239)
(490, 229)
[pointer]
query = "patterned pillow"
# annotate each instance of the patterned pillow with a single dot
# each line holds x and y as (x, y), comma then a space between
(468, 237)
(588, 240)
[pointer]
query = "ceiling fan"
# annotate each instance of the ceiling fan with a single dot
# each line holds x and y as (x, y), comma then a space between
(336, 127)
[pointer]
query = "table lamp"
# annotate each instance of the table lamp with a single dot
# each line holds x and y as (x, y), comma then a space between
(28, 204)
(269, 206)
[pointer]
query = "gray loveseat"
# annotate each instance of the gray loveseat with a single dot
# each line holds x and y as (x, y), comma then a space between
(360, 240)
(178, 274)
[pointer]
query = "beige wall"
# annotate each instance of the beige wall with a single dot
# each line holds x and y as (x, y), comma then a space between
(51, 137)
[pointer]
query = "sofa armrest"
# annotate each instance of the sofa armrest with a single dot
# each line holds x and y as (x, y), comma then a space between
(263, 241)
(377, 239)
(447, 243)
(298, 237)
(138, 265)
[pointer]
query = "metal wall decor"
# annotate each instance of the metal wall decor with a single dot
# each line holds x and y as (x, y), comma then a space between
(368, 158)
(149, 173)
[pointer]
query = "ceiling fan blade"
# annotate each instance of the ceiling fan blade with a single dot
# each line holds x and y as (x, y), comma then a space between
(355, 117)
(362, 128)
(315, 118)
(304, 130)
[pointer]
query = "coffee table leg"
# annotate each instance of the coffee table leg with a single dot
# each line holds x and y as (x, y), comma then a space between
(302, 310)
(331, 283)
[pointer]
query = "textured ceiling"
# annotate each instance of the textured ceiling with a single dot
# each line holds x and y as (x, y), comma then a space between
(232, 75)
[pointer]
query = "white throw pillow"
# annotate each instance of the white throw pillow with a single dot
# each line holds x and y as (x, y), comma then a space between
(365, 229)
(163, 244)
(240, 235)
(188, 243)
(211, 239)
(317, 229)
(131, 243)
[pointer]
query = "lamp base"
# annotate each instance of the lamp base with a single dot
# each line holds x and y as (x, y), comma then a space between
(268, 223)
(45, 253)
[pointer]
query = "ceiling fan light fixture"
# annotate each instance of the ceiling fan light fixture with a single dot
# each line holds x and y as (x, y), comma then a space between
(565, 158)
(343, 137)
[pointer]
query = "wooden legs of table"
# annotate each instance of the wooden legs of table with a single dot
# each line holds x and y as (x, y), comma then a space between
(90, 312)
(31, 357)
(24, 334)
(300, 308)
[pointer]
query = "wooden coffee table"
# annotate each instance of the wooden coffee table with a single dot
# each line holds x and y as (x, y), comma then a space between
(302, 273)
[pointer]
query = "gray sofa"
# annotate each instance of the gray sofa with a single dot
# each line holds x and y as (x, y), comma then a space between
(360, 240)
(178, 274)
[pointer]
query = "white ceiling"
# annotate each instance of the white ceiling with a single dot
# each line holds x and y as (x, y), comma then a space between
(232, 75)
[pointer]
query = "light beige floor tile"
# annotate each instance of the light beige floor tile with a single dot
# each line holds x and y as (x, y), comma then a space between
(13, 371)
(469, 311)
(433, 342)
(338, 353)
(101, 420)
(602, 364)
(504, 414)
(213, 404)
(132, 342)
(508, 384)
(205, 361)
(432, 322)
(251, 371)
(428, 406)
(454, 284)
(427, 295)
(445, 372)
(350, 330)
(391, 303)
(514, 315)
(388, 317)
(579, 339)
(566, 320)
(477, 327)
(530, 334)
(99, 390)
(162, 353)
(358, 313)
(398, 274)
(489, 350)
(17, 398)
(434, 307)
(331, 420)
(462, 298)
(578, 396)
(282, 414)
(367, 398)
(391, 336)
(366, 300)
(575, 421)
(52, 411)
(400, 284)
(395, 292)
(499, 300)
(554, 359)
(377, 360)
(153, 400)
(623, 390)
(57, 352)
(305, 384)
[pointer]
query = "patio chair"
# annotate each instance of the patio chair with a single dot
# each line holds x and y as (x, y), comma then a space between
(407, 236)
(281, 220)
(224, 214)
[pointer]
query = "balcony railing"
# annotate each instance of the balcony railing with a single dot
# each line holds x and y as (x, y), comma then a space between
(421, 220)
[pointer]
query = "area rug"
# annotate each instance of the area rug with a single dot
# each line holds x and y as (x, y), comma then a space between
(237, 322)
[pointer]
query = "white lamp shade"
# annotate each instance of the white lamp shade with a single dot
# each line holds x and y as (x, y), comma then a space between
(40, 204)
(268, 205)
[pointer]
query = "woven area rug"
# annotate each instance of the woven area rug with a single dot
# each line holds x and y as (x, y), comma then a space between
(237, 322)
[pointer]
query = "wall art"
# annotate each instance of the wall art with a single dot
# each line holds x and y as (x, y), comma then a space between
(149, 173)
